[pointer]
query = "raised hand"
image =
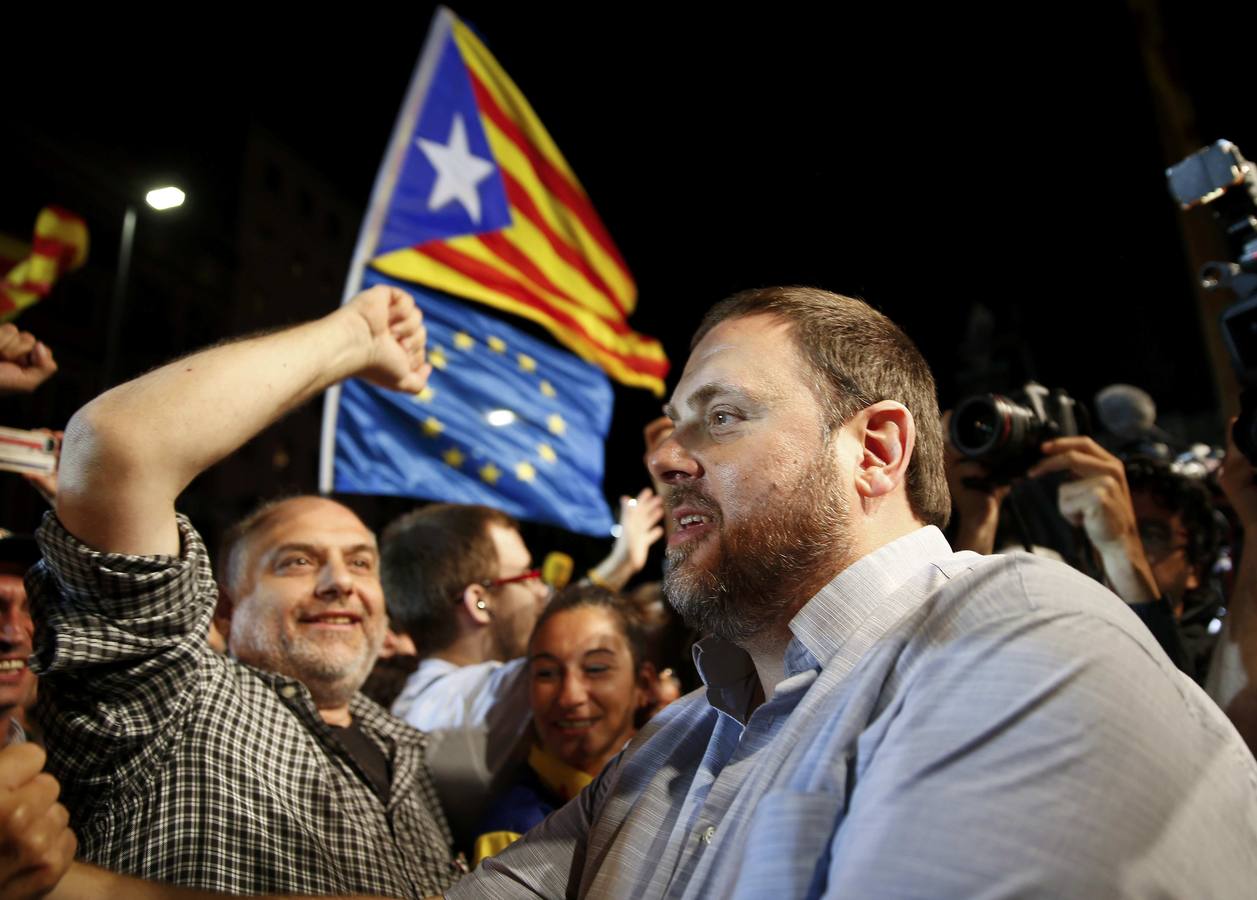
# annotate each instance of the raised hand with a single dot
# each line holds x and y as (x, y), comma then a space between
(395, 329)
(25, 363)
(1098, 500)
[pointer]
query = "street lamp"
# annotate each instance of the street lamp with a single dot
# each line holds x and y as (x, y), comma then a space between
(164, 198)
(161, 199)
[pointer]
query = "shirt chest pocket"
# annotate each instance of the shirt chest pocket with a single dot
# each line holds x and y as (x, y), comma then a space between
(786, 853)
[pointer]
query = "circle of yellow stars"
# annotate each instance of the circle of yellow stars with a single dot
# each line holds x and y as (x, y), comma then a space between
(454, 457)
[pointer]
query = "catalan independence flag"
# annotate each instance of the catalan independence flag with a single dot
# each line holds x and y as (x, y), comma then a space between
(27, 274)
(476, 211)
(481, 204)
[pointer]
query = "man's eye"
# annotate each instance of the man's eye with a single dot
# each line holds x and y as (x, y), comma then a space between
(364, 563)
(597, 670)
(543, 674)
(294, 562)
(723, 418)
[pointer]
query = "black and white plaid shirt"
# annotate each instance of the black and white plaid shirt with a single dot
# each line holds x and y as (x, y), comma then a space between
(183, 766)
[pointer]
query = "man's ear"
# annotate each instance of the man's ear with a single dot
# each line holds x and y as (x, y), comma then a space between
(476, 604)
(887, 435)
(222, 614)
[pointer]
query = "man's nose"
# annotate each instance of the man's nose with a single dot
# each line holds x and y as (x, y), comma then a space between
(335, 579)
(671, 461)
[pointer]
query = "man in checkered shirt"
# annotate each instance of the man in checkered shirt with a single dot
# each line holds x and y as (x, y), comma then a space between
(268, 773)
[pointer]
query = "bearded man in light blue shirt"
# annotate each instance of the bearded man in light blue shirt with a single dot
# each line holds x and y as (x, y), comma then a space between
(882, 717)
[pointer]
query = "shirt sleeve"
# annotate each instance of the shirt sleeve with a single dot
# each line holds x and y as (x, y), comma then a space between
(1039, 758)
(546, 862)
(118, 643)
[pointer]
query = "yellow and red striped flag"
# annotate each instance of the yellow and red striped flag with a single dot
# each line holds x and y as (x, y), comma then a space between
(475, 199)
(60, 246)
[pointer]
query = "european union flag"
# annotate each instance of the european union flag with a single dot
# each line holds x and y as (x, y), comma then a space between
(506, 420)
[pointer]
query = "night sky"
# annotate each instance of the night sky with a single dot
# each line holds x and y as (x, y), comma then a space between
(928, 162)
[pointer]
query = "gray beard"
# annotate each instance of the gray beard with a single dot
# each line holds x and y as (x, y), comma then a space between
(767, 567)
(330, 682)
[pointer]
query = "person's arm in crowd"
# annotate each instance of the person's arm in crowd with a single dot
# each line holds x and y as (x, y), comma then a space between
(1098, 500)
(975, 500)
(25, 362)
(1238, 480)
(129, 453)
(639, 529)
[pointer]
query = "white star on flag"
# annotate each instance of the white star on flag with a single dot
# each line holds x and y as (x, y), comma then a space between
(458, 172)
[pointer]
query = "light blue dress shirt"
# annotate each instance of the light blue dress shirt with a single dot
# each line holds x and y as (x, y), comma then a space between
(950, 725)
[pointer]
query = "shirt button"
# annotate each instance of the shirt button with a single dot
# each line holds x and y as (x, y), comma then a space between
(288, 691)
(708, 834)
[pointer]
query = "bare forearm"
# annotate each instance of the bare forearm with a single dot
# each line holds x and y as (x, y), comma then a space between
(1129, 573)
(129, 454)
(613, 572)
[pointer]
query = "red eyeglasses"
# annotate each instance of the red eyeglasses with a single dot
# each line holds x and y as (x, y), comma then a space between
(522, 576)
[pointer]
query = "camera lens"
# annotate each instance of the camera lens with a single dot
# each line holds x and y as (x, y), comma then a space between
(992, 428)
(978, 425)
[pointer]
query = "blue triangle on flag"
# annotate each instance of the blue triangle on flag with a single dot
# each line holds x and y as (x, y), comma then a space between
(448, 122)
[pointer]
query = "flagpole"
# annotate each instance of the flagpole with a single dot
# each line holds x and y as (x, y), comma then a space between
(377, 207)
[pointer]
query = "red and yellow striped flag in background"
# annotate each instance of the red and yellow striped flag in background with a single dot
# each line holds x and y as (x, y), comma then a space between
(481, 204)
(60, 246)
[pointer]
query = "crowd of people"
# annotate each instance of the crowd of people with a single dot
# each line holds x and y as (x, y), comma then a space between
(896, 699)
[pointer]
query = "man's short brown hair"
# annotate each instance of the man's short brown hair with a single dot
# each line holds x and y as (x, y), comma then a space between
(859, 357)
(427, 558)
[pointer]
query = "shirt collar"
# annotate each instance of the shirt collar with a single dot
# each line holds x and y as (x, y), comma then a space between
(867, 590)
(729, 674)
(430, 669)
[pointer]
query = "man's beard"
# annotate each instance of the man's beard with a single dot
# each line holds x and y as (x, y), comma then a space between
(332, 678)
(766, 567)
(331, 675)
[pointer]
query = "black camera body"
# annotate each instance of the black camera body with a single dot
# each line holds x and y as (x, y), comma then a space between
(1004, 433)
(1220, 179)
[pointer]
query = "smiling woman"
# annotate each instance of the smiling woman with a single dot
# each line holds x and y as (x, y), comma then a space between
(588, 681)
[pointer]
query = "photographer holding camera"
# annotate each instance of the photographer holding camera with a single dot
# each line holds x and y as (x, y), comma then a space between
(1152, 544)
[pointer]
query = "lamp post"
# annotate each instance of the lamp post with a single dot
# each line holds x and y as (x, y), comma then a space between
(160, 199)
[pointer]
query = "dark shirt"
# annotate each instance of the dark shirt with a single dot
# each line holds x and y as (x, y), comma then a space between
(367, 757)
